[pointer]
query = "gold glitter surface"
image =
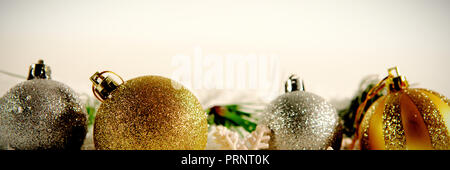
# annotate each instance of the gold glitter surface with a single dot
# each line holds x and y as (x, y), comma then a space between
(443, 105)
(442, 97)
(411, 119)
(432, 118)
(148, 113)
(394, 134)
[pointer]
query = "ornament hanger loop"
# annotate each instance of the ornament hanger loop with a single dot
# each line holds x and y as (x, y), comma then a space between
(102, 86)
(96, 94)
(372, 93)
(394, 81)
(104, 72)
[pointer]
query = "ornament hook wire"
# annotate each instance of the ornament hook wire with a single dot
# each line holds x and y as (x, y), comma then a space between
(95, 78)
(372, 93)
(394, 81)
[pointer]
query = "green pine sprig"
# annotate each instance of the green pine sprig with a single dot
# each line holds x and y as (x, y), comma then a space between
(348, 114)
(231, 116)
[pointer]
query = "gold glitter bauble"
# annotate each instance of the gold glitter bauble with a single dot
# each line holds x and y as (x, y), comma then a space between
(407, 119)
(150, 113)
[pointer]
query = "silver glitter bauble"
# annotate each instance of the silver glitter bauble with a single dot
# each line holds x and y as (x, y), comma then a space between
(301, 120)
(42, 114)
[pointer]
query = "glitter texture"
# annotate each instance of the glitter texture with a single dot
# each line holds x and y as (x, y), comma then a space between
(148, 113)
(442, 97)
(301, 121)
(42, 114)
(393, 125)
(432, 118)
(394, 135)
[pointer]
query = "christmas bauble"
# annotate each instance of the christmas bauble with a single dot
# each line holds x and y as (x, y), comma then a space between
(42, 114)
(147, 113)
(406, 118)
(300, 120)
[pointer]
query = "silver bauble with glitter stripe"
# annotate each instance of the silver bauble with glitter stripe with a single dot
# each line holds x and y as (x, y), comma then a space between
(42, 114)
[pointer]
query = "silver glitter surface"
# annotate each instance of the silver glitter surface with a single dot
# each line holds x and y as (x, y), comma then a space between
(42, 114)
(301, 121)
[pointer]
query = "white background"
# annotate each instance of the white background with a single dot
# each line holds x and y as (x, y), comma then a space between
(331, 44)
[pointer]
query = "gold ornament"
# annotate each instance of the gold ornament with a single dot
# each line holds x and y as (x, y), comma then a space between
(147, 113)
(404, 119)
